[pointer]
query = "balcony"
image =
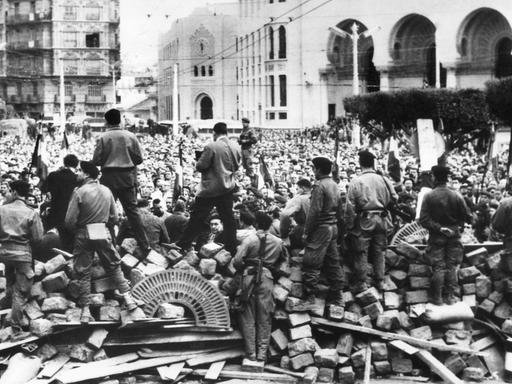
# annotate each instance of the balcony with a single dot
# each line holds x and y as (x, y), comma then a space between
(30, 44)
(67, 99)
(95, 99)
(32, 99)
(29, 18)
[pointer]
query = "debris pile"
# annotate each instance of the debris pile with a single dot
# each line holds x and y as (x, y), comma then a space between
(394, 333)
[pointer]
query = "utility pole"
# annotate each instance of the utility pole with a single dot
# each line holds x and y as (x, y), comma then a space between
(175, 105)
(114, 98)
(354, 36)
(62, 97)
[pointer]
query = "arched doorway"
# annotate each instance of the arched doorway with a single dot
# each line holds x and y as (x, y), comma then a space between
(340, 54)
(504, 58)
(206, 108)
(484, 42)
(413, 48)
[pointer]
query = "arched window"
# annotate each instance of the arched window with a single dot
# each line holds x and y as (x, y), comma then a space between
(282, 43)
(396, 51)
(464, 47)
(210, 70)
(336, 54)
(196, 71)
(203, 70)
(271, 43)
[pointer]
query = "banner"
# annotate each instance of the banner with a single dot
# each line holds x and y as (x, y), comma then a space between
(427, 147)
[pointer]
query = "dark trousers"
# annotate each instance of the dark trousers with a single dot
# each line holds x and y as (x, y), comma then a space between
(128, 198)
(19, 276)
(199, 214)
(445, 256)
(256, 319)
(66, 238)
(321, 253)
(83, 252)
(368, 242)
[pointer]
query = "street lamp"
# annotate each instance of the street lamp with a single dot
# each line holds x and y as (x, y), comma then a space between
(355, 36)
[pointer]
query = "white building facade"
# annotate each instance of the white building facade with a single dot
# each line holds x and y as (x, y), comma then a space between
(291, 71)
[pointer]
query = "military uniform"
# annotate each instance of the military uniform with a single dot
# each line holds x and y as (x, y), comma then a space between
(298, 208)
(368, 224)
(502, 222)
(444, 207)
(321, 235)
(247, 140)
(256, 314)
(20, 226)
(93, 203)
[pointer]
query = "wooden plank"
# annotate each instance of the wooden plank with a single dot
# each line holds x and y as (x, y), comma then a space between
(399, 344)
(214, 370)
(495, 362)
(438, 367)
(149, 354)
(282, 371)
(393, 336)
(171, 372)
(368, 364)
(94, 366)
(69, 377)
(483, 343)
(242, 375)
(188, 337)
(53, 366)
(214, 357)
(67, 255)
(419, 379)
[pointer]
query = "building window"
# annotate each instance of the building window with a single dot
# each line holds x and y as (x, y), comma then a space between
(236, 44)
(464, 47)
(210, 70)
(16, 9)
(282, 42)
(92, 40)
(282, 90)
(94, 90)
(203, 70)
(272, 91)
(396, 51)
(196, 71)
(68, 89)
(283, 115)
(271, 115)
(271, 43)
(93, 67)
(92, 12)
(70, 39)
(70, 12)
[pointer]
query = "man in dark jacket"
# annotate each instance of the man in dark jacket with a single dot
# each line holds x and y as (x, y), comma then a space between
(118, 153)
(247, 140)
(176, 222)
(61, 184)
(443, 213)
(217, 165)
(321, 235)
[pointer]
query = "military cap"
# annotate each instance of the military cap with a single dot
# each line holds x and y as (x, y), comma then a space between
(366, 155)
(245, 120)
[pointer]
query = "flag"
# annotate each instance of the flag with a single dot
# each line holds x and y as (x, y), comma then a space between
(265, 174)
(40, 161)
(393, 165)
(178, 183)
(65, 142)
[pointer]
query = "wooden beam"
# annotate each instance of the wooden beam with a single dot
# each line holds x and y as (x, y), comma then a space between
(242, 375)
(282, 371)
(214, 357)
(167, 337)
(393, 336)
(368, 364)
(171, 372)
(438, 367)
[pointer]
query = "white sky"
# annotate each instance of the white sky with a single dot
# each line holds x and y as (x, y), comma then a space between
(139, 33)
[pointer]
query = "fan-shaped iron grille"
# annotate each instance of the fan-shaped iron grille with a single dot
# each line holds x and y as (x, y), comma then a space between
(410, 230)
(184, 288)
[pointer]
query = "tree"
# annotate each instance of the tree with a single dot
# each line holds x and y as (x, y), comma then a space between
(463, 113)
(498, 95)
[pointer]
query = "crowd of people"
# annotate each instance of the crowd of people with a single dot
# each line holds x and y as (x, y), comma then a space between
(268, 195)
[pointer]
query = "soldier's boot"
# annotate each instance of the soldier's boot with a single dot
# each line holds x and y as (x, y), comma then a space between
(130, 302)
(436, 287)
(85, 316)
(451, 284)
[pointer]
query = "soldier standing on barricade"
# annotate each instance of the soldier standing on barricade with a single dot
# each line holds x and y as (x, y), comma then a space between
(443, 213)
(257, 257)
(118, 153)
(20, 227)
(368, 221)
(321, 235)
(247, 140)
(91, 210)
